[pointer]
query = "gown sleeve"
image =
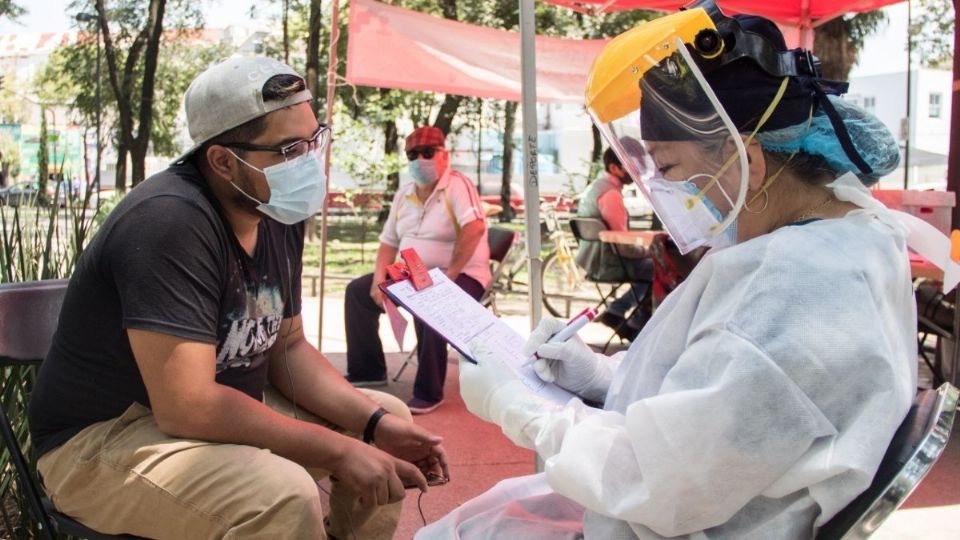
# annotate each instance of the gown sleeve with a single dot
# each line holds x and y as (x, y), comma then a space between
(727, 424)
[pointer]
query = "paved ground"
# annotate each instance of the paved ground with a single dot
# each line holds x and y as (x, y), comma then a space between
(481, 455)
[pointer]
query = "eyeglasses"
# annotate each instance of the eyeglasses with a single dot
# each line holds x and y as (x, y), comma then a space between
(319, 139)
(427, 153)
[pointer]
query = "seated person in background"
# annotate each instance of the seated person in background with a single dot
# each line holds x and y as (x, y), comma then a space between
(760, 398)
(180, 397)
(439, 214)
(603, 200)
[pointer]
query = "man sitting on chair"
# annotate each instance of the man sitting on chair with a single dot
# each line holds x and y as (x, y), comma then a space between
(603, 200)
(440, 215)
(180, 397)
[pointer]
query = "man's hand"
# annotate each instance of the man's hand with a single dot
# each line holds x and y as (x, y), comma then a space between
(375, 475)
(375, 293)
(412, 443)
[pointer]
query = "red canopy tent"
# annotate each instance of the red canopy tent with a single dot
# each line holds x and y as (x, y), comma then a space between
(803, 15)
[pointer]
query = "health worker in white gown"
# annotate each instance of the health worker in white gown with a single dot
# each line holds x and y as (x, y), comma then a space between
(760, 398)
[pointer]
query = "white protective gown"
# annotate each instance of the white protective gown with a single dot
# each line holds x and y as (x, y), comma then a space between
(756, 403)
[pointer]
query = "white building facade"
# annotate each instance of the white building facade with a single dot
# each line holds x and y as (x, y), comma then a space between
(927, 125)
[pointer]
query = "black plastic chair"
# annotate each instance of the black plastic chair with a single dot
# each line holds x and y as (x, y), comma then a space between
(500, 241)
(916, 446)
(588, 230)
(935, 313)
(28, 319)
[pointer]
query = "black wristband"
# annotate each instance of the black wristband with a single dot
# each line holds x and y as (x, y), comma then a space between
(372, 424)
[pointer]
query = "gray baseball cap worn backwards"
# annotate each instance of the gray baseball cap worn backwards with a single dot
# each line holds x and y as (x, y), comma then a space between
(230, 94)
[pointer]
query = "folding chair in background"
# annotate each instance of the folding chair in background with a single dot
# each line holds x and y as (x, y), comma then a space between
(28, 319)
(588, 230)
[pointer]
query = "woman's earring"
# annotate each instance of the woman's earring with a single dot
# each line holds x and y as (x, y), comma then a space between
(766, 201)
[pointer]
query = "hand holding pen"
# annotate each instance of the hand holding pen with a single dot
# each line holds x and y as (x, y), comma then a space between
(564, 359)
(560, 336)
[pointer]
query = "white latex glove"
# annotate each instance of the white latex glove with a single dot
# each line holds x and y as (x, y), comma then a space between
(571, 364)
(494, 392)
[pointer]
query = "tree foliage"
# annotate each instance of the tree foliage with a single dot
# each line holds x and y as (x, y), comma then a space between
(13, 108)
(132, 32)
(11, 9)
(70, 78)
(931, 31)
(837, 42)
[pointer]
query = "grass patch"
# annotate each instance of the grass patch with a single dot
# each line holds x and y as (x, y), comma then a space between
(352, 244)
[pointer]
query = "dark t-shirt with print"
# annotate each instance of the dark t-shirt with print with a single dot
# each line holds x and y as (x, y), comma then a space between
(165, 261)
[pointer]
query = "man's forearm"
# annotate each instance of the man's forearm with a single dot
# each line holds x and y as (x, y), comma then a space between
(386, 255)
(304, 375)
(230, 416)
(465, 246)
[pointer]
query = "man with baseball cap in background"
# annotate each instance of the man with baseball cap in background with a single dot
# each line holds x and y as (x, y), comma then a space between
(440, 216)
(180, 398)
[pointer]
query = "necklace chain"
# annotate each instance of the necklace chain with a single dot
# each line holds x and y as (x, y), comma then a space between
(813, 210)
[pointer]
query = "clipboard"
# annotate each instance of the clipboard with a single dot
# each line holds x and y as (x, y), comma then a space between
(412, 270)
(448, 310)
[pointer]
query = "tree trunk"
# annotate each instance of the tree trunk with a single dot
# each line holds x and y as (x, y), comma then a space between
(149, 37)
(286, 35)
(596, 153)
(953, 161)
(509, 124)
(138, 150)
(121, 176)
(313, 55)
(448, 111)
(837, 53)
(43, 166)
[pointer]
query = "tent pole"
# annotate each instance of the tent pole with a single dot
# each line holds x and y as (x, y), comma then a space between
(909, 122)
(331, 95)
(953, 154)
(531, 183)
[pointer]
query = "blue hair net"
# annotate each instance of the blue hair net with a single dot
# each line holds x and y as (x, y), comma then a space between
(870, 137)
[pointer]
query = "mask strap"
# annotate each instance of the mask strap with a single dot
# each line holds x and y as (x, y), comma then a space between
(774, 176)
(236, 187)
(763, 120)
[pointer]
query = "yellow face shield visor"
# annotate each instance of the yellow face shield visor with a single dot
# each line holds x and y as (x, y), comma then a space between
(613, 87)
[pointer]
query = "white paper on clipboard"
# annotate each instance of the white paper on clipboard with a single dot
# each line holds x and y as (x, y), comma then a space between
(455, 315)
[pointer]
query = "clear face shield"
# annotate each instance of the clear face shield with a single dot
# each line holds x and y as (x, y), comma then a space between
(682, 150)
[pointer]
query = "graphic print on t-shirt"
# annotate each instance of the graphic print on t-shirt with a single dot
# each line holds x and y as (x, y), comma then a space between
(252, 330)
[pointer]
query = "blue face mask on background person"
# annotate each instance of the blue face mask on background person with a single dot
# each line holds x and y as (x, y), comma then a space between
(690, 218)
(297, 188)
(424, 171)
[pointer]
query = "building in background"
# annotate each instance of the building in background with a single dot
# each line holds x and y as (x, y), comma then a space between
(927, 125)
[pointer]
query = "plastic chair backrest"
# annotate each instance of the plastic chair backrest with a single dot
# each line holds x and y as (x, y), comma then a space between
(499, 239)
(587, 229)
(916, 446)
(28, 319)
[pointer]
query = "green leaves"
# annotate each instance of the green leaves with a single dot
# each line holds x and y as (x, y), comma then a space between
(931, 29)
(11, 10)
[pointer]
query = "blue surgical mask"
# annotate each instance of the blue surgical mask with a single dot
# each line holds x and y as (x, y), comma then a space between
(297, 188)
(691, 219)
(424, 171)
